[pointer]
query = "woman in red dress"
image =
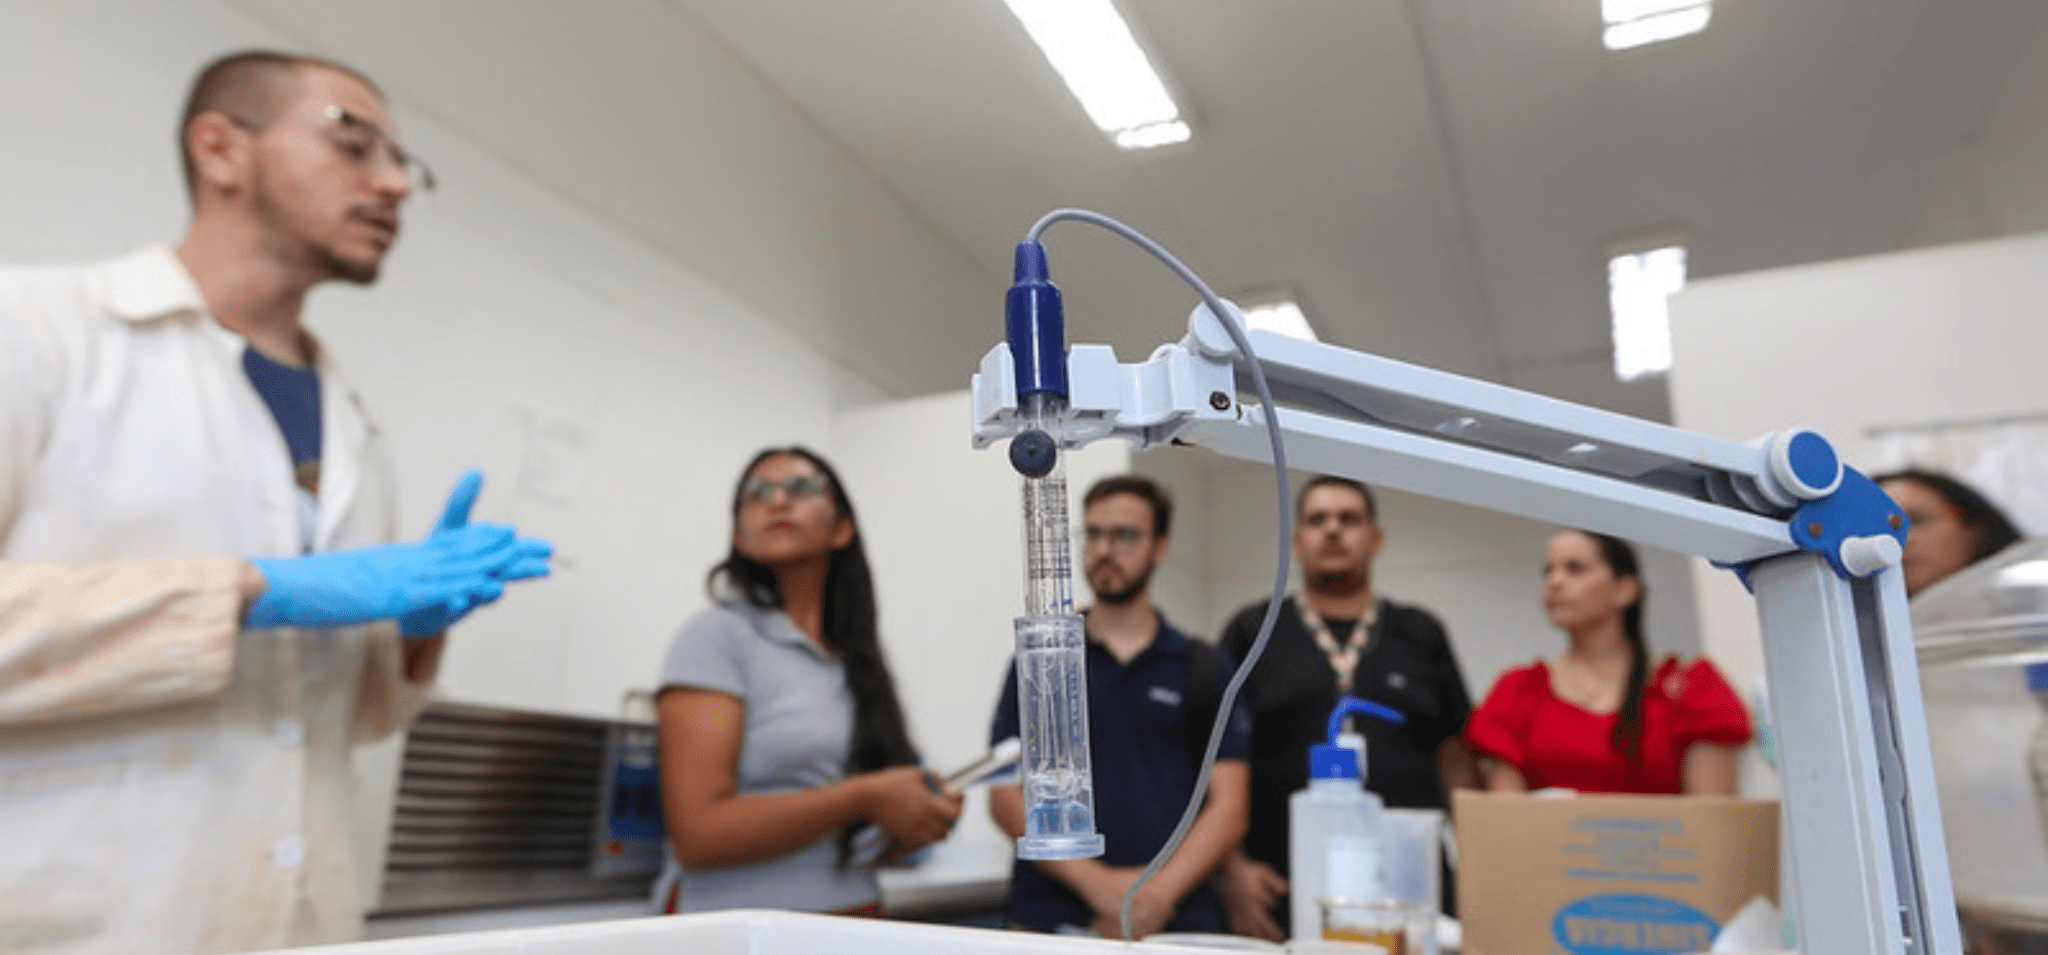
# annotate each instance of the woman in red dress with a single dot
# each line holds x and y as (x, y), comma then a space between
(1598, 719)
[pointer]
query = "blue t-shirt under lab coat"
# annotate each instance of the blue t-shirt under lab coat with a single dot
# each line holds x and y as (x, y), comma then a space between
(292, 393)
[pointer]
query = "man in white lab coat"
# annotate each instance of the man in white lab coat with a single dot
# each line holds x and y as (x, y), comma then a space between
(200, 612)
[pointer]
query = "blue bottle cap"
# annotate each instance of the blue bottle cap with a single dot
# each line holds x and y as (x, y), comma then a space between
(2037, 677)
(1331, 761)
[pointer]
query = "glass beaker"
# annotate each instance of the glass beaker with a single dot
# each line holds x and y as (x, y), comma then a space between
(1395, 927)
(1411, 855)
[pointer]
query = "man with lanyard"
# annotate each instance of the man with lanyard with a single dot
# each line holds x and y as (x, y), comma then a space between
(1152, 698)
(1334, 637)
(200, 614)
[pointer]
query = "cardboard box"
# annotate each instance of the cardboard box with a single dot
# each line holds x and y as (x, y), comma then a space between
(1608, 875)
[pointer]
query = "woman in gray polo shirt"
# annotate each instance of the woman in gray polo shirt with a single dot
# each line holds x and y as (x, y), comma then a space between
(780, 729)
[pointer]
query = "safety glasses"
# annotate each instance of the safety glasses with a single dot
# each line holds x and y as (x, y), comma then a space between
(800, 487)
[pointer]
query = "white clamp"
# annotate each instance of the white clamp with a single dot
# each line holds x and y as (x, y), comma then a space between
(1145, 403)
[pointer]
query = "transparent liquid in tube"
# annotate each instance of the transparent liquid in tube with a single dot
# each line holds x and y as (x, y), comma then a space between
(1052, 697)
(1052, 674)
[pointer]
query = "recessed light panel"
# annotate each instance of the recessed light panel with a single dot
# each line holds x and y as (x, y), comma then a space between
(1633, 23)
(1639, 290)
(1092, 49)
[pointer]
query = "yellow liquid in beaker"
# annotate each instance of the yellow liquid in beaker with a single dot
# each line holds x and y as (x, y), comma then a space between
(1393, 942)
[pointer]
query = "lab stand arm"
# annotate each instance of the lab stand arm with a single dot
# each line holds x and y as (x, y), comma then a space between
(1870, 863)
(1437, 434)
(1817, 542)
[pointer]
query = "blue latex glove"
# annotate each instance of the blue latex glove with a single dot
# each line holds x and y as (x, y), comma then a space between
(456, 568)
(454, 516)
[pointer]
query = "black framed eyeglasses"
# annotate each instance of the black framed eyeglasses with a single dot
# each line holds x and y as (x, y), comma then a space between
(801, 487)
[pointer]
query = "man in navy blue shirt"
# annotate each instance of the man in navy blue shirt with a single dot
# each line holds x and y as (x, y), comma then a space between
(1153, 693)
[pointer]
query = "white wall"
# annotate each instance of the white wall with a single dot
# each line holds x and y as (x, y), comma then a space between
(642, 115)
(1944, 334)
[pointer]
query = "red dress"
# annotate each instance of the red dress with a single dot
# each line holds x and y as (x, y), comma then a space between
(1558, 743)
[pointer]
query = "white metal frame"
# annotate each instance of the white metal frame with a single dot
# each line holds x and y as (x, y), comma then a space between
(1869, 863)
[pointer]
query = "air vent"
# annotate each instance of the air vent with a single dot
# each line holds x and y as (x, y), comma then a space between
(501, 807)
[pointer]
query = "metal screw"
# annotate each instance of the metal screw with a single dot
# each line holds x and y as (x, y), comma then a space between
(1895, 521)
(1813, 529)
(1219, 401)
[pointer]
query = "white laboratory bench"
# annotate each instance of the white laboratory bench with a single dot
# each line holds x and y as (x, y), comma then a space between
(508, 917)
(967, 874)
(743, 932)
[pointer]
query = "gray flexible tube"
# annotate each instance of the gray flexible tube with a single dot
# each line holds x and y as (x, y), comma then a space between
(1244, 667)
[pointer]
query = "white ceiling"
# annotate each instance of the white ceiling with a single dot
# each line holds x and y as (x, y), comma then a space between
(1437, 178)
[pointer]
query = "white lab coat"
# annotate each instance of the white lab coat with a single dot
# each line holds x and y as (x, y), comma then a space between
(167, 784)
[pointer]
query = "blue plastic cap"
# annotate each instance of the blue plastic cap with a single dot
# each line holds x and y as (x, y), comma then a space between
(2037, 677)
(1036, 325)
(1347, 705)
(1031, 267)
(1331, 761)
(1813, 459)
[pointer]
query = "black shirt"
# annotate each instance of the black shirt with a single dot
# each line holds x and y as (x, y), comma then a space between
(1406, 665)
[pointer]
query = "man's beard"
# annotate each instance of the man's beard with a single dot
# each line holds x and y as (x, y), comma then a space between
(334, 266)
(1338, 582)
(288, 243)
(1127, 594)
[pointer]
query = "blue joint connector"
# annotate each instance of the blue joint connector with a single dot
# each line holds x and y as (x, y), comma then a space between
(1036, 325)
(1347, 705)
(1858, 510)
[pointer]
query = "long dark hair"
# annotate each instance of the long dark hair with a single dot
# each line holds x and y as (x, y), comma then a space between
(1994, 531)
(880, 736)
(1628, 727)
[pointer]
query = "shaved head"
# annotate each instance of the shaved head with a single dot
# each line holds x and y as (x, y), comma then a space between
(250, 88)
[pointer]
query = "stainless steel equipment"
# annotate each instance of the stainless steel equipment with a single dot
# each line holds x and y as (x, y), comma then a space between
(1978, 633)
(500, 807)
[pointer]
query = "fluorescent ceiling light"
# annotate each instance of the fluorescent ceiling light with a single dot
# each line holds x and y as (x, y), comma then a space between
(1091, 47)
(1632, 23)
(1622, 11)
(1639, 289)
(1280, 314)
(1156, 134)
